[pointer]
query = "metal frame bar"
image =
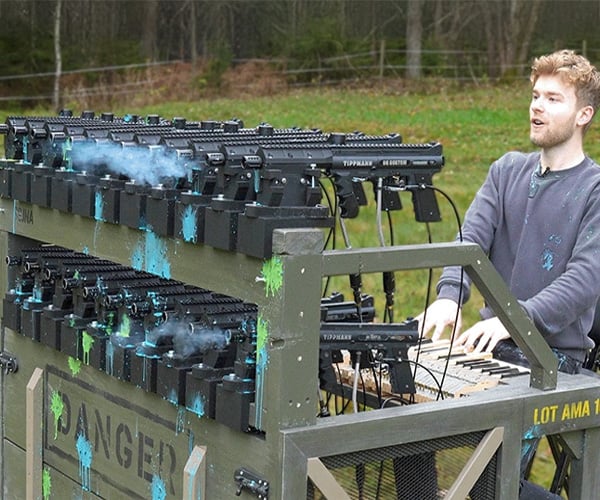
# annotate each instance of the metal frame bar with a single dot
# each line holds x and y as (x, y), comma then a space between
(324, 480)
(476, 464)
(480, 270)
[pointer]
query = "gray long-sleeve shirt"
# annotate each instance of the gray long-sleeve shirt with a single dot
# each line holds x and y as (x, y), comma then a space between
(542, 234)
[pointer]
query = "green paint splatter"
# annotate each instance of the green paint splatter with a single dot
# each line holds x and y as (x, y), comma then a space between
(74, 365)
(262, 333)
(67, 149)
(56, 407)
(87, 342)
(272, 272)
(262, 359)
(46, 484)
(110, 322)
(125, 327)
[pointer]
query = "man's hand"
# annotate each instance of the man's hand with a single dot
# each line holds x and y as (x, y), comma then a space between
(439, 315)
(483, 335)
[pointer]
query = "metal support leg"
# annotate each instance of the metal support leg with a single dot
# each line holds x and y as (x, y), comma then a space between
(476, 464)
(324, 480)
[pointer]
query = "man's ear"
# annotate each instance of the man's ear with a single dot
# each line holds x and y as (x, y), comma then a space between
(585, 115)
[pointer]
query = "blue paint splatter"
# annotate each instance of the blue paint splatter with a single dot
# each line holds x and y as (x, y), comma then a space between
(98, 206)
(191, 482)
(533, 188)
(532, 433)
(197, 405)
(530, 440)
(137, 257)
(84, 450)
(144, 369)
(159, 490)
(25, 142)
(188, 224)
(151, 255)
(555, 238)
(142, 223)
(527, 444)
(156, 256)
(110, 357)
(547, 259)
(590, 233)
(261, 367)
(180, 424)
(37, 294)
(97, 229)
(172, 397)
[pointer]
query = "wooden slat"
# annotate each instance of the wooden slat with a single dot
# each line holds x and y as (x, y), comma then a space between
(34, 415)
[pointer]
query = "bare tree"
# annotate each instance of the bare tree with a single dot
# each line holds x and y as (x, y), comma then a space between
(193, 36)
(150, 19)
(57, 55)
(451, 23)
(509, 27)
(414, 36)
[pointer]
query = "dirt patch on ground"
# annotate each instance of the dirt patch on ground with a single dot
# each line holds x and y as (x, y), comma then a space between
(173, 82)
(134, 87)
(253, 79)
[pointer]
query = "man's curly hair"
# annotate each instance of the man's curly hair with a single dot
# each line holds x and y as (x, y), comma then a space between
(575, 69)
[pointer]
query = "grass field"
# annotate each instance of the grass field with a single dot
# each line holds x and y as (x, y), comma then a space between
(474, 124)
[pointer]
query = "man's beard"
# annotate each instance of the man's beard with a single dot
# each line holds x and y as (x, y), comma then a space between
(551, 138)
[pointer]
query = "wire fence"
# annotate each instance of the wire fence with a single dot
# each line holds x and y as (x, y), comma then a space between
(453, 64)
(91, 90)
(459, 66)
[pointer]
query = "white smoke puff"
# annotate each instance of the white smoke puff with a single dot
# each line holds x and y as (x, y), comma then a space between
(144, 165)
(188, 343)
(163, 334)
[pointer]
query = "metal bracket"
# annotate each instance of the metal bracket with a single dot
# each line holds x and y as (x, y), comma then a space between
(252, 482)
(8, 363)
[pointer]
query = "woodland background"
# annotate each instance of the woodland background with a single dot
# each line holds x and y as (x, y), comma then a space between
(102, 52)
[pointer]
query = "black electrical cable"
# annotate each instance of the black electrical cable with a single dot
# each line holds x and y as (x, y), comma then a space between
(462, 272)
(364, 389)
(431, 374)
(430, 280)
(391, 227)
(376, 380)
(331, 235)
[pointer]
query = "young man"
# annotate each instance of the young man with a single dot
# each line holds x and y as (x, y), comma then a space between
(537, 216)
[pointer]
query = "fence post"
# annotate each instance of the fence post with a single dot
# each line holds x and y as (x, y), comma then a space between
(381, 57)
